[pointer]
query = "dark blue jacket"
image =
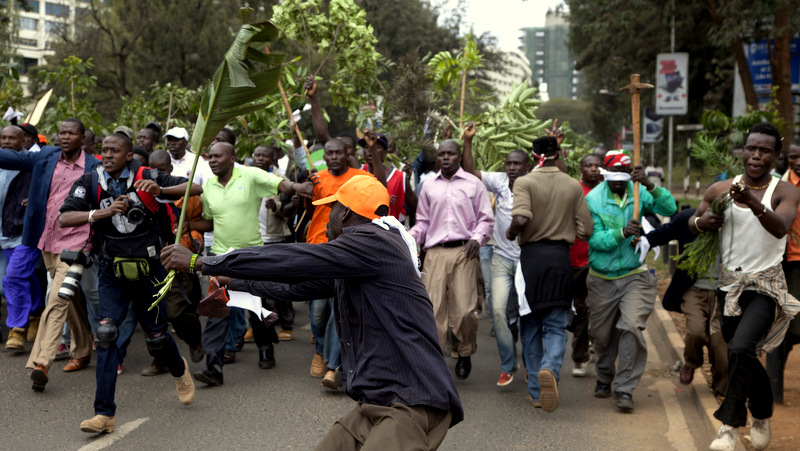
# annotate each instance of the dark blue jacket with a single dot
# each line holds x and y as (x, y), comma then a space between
(676, 229)
(41, 164)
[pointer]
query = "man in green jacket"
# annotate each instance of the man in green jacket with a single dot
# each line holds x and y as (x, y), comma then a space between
(622, 291)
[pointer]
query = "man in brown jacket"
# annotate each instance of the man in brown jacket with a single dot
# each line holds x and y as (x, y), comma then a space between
(549, 213)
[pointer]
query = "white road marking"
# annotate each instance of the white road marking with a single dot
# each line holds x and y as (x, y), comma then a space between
(108, 439)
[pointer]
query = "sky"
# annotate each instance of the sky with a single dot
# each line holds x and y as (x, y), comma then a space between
(504, 18)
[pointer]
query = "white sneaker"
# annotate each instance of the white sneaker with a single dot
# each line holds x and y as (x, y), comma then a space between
(759, 433)
(580, 369)
(726, 439)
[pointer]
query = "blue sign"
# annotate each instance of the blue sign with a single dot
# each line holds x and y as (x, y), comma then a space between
(760, 69)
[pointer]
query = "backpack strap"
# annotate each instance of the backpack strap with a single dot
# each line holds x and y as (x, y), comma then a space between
(147, 199)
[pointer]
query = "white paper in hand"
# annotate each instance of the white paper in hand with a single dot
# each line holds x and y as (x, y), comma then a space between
(643, 246)
(247, 301)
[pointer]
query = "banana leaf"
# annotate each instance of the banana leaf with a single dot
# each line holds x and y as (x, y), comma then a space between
(245, 77)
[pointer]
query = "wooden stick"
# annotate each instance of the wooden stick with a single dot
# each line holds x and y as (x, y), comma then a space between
(294, 123)
(635, 88)
(300, 221)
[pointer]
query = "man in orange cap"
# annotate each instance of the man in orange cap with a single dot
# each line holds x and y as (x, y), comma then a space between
(405, 392)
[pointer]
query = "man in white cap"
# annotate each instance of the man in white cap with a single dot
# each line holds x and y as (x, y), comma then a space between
(182, 160)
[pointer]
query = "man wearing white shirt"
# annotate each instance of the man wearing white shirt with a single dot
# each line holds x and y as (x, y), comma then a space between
(182, 160)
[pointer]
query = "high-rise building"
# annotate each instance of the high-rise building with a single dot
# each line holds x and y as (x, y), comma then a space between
(38, 24)
(516, 70)
(552, 65)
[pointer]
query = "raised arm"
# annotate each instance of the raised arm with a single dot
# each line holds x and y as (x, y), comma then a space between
(317, 120)
(467, 162)
(378, 169)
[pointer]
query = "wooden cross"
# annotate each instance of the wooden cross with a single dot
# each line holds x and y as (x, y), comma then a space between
(635, 88)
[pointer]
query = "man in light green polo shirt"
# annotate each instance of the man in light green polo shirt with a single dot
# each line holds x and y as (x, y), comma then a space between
(231, 201)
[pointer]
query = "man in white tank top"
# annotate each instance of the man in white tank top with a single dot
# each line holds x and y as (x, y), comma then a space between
(756, 305)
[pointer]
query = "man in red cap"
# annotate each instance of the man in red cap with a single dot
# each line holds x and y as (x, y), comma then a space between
(622, 291)
(397, 373)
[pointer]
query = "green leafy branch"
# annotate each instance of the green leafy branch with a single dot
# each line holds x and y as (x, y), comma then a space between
(245, 77)
(340, 39)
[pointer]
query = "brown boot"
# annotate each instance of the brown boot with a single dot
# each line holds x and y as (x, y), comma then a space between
(16, 339)
(154, 369)
(185, 385)
(318, 366)
(33, 328)
(98, 424)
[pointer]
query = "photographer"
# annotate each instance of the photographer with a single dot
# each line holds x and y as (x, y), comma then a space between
(130, 227)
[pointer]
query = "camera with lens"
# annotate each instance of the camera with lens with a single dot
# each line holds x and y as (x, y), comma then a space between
(135, 213)
(77, 261)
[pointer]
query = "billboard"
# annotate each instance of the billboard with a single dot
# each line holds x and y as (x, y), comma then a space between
(652, 127)
(672, 97)
(760, 69)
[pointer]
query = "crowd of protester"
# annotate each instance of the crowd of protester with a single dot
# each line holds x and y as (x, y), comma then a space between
(541, 252)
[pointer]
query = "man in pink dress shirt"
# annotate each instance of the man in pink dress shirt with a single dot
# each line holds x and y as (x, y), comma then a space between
(454, 219)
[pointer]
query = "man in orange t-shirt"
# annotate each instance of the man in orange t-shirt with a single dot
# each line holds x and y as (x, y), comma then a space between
(327, 355)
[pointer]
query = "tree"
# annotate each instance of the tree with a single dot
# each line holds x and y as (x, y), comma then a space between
(135, 43)
(608, 55)
(712, 32)
(738, 22)
(574, 112)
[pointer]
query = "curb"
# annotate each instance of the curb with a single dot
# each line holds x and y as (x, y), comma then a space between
(704, 398)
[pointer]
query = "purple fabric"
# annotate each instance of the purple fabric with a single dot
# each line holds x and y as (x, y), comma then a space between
(451, 210)
(54, 238)
(22, 290)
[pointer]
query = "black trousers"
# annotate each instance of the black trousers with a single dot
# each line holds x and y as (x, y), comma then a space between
(263, 335)
(748, 383)
(579, 326)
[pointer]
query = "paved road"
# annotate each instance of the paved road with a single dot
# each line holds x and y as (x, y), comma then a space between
(284, 408)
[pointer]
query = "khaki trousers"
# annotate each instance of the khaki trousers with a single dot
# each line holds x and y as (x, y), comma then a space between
(394, 428)
(451, 283)
(52, 322)
(698, 308)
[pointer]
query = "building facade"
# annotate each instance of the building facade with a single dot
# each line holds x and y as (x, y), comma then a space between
(516, 70)
(38, 24)
(551, 63)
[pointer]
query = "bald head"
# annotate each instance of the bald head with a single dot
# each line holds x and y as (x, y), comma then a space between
(161, 161)
(450, 145)
(221, 158)
(226, 148)
(11, 137)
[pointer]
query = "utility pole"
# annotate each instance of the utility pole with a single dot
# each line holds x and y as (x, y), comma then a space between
(669, 120)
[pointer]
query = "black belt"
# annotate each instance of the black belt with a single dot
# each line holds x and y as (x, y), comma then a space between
(456, 243)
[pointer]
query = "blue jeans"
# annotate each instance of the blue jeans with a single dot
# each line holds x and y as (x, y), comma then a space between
(486, 253)
(89, 289)
(237, 326)
(126, 330)
(544, 341)
(324, 330)
(503, 270)
(116, 295)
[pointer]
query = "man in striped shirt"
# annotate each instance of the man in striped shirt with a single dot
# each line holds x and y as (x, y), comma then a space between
(406, 397)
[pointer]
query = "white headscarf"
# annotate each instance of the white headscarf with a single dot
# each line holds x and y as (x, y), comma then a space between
(386, 222)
